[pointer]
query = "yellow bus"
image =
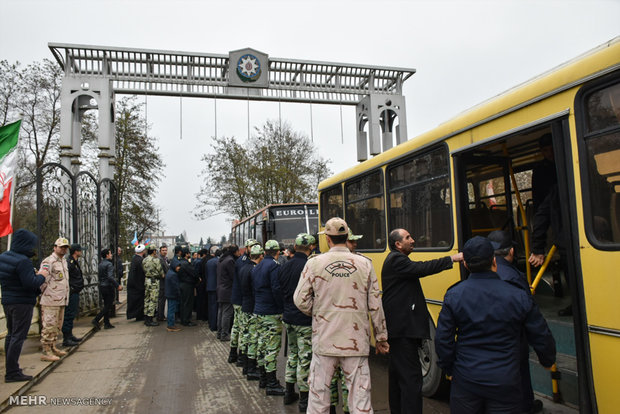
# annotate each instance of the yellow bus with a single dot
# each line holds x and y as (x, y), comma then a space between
(473, 174)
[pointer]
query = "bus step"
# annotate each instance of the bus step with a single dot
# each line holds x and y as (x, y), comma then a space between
(541, 378)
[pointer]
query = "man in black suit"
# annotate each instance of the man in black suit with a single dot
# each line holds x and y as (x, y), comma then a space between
(407, 318)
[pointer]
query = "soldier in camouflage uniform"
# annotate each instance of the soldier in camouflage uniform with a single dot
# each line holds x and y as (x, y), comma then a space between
(339, 289)
(153, 273)
(298, 326)
(54, 298)
(338, 374)
(268, 305)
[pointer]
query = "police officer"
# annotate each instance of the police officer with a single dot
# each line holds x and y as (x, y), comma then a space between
(268, 306)
(76, 284)
(506, 270)
(486, 317)
(153, 273)
(339, 289)
(247, 307)
(54, 299)
(298, 325)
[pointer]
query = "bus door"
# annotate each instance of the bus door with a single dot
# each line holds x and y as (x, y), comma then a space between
(488, 178)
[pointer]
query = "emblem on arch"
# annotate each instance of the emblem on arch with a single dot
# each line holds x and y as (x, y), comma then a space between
(248, 68)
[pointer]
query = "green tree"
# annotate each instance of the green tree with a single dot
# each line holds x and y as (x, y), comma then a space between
(276, 165)
(138, 167)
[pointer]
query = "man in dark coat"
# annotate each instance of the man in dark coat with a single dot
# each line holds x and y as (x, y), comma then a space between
(225, 277)
(76, 284)
(107, 286)
(187, 283)
(135, 285)
(20, 287)
(211, 285)
(165, 264)
(407, 318)
(201, 289)
(173, 290)
(486, 317)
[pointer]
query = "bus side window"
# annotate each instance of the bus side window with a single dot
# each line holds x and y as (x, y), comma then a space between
(365, 212)
(602, 153)
(331, 204)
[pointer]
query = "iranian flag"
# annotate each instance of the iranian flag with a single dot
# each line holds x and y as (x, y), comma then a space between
(9, 134)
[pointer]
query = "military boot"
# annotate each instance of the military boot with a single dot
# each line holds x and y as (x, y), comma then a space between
(57, 351)
(241, 359)
(245, 365)
(273, 385)
(290, 396)
(232, 356)
(148, 321)
(48, 354)
(262, 378)
(252, 370)
(303, 401)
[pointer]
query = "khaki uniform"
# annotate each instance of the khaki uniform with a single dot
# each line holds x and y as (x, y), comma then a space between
(339, 289)
(54, 298)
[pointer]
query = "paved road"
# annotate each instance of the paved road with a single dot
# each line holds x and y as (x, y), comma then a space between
(135, 369)
(148, 370)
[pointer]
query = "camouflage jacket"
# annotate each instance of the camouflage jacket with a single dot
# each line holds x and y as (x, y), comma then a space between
(57, 291)
(152, 267)
(339, 289)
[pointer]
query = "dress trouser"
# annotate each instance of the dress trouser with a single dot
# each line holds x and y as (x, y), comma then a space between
(224, 319)
(18, 320)
(187, 302)
(405, 376)
(161, 301)
(107, 294)
(71, 312)
(465, 400)
(212, 309)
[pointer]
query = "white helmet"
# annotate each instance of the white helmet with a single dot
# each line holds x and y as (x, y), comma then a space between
(139, 248)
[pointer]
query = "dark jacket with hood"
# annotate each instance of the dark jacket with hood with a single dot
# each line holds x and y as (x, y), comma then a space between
(19, 283)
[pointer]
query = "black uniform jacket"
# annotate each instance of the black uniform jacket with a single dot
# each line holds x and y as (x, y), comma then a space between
(404, 304)
(76, 280)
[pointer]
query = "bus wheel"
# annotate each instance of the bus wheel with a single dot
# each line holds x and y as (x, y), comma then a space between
(434, 382)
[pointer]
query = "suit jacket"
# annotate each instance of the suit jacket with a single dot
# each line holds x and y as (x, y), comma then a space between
(404, 304)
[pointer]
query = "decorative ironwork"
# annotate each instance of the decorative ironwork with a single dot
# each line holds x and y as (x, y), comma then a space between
(83, 210)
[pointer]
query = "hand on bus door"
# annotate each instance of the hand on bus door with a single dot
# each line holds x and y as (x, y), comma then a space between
(536, 259)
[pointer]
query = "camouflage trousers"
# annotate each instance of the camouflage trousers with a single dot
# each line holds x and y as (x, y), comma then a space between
(299, 340)
(236, 329)
(339, 377)
(151, 296)
(269, 339)
(252, 337)
(244, 319)
(356, 375)
(51, 321)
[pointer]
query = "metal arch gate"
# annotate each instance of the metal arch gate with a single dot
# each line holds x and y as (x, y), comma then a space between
(85, 211)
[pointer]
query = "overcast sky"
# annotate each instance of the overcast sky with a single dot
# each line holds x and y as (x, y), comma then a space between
(464, 52)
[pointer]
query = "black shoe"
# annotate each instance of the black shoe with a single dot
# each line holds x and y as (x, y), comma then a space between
(225, 338)
(74, 339)
(303, 401)
(241, 360)
(188, 324)
(290, 396)
(232, 355)
(68, 342)
(109, 326)
(262, 377)
(95, 324)
(19, 377)
(537, 406)
(252, 371)
(567, 311)
(273, 385)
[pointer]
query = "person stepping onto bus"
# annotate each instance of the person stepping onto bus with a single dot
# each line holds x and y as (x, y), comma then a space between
(504, 256)
(268, 306)
(298, 325)
(407, 318)
(479, 331)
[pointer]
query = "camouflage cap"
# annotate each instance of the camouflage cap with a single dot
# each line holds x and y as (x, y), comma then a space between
(272, 245)
(250, 242)
(256, 250)
(61, 242)
(335, 226)
(304, 239)
(354, 237)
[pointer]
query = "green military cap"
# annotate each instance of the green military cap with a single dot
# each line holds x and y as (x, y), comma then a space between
(354, 237)
(250, 242)
(272, 245)
(256, 250)
(304, 239)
